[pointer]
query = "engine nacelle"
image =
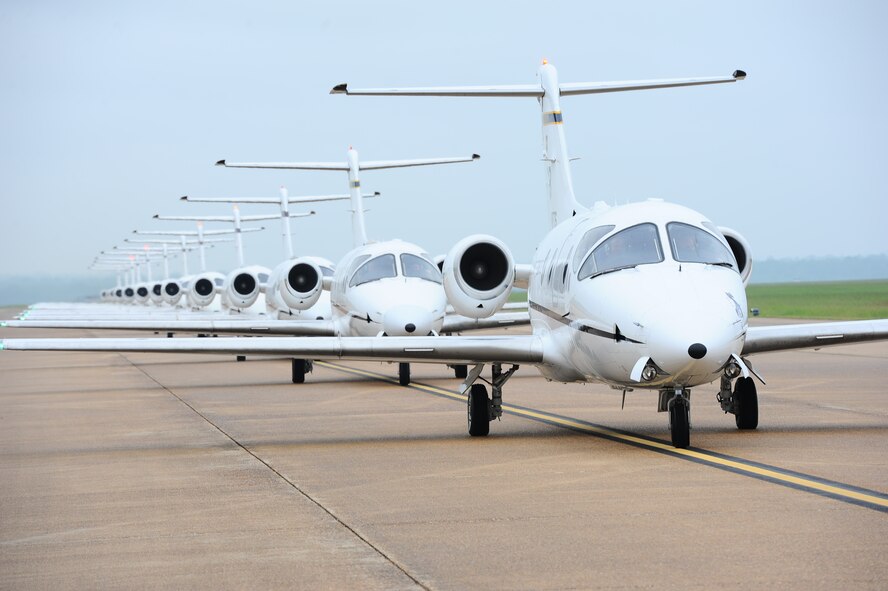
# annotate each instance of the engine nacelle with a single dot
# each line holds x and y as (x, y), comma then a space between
(479, 272)
(243, 286)
(201, 289)
(155, 292)
(295, 284)
(740, 248)
(143, 293)
(172, 292)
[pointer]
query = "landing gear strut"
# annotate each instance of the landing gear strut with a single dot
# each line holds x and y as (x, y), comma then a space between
(481, 409)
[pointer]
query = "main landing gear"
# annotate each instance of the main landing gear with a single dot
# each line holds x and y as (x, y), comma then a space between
(481, 409)
(299, 368)
(404, 374)
(742, 402)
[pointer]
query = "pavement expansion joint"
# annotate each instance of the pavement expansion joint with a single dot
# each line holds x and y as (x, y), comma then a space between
(289, 482)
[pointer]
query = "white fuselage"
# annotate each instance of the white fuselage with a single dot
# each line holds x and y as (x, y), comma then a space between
(384, 299)
(598, 328)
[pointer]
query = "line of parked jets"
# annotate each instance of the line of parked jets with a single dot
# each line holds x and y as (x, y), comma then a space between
(645, 296)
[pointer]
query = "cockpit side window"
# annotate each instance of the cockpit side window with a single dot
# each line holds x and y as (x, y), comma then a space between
(589, 240)
(638, 245)
(414, 266)
(378, 268)
(326, 271)
(690, 244)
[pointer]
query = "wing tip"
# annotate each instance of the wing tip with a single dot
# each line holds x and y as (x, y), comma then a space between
(183, 198)
(476, 156)
(221, 162)
(739, 75)
(339, 89)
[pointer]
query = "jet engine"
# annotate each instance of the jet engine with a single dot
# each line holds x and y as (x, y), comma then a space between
(156, 293)
(740, 248)
(201, 289)
(172, 292)
(243, 286)
(479, 272)
(295, 284)
(142, 293)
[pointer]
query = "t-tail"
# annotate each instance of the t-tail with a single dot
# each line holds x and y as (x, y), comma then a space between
(561, 200)
(353, 167)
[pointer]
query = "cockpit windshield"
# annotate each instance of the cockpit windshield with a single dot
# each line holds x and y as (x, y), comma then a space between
(638, 245)
(378, 268)
(326, 271)
(415, 266)
(690, 244)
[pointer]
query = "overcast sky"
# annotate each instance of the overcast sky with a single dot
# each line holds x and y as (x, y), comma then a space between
(109, 111)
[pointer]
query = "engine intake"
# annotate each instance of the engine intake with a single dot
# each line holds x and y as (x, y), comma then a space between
(479, 273)
(742, 253)
(201, 291)
(243, 286)
(296, 284)
(172, 292)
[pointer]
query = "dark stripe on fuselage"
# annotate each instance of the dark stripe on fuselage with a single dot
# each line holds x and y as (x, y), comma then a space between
(616, 335)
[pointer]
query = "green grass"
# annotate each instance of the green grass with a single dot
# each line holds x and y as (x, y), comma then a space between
(845, 300)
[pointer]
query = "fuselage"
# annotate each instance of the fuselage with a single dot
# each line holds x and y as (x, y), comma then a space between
(649, 283)
(390, 288)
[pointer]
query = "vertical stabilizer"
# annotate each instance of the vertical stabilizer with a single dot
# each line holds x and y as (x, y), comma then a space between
(359, 229)
(559, 183)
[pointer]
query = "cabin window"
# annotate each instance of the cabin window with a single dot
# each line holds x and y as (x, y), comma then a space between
(379, 268)
(691, 244)
(589, 240)
(638, 245)
(414, 266)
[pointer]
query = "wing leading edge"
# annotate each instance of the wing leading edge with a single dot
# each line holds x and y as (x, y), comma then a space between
(518, 349)
(764, 339)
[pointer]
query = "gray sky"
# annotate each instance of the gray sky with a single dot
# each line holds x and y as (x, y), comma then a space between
(110, 111)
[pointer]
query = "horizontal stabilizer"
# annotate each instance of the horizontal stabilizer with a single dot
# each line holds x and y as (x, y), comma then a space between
(287, 165)
(379, 164)
(511, 90)
(273, 200)
(603, 87)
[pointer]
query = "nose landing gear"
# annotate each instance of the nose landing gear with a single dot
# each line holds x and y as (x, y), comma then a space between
(678, 403)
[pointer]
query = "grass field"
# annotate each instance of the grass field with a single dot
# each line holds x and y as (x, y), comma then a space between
(840, 300)
(845, 300)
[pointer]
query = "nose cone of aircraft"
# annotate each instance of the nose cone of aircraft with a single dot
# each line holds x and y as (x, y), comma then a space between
(407, 320)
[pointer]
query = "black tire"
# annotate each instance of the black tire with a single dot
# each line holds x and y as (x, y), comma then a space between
(461, 371)
(241, 357)
(298, 371)
(746, 404)
(404, 374)
(680, 424)
(478, 411)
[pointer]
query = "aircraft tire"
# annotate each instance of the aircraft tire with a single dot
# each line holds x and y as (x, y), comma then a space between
(478, 411)
(461, 371)
(680, 424)
(404, 374)
(746, 401)
(298, 371)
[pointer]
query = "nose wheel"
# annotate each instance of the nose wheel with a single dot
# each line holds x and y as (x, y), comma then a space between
(678, 403)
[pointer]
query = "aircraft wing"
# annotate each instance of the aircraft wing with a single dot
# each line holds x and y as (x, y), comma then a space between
(462, 323)
(763, 339)
(308, 328)
(517, 349)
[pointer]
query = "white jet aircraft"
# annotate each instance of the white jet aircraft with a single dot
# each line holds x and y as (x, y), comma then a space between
(596, 296)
